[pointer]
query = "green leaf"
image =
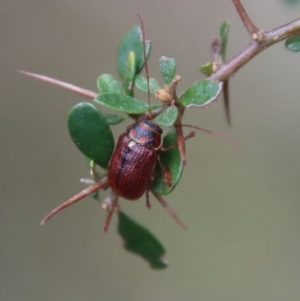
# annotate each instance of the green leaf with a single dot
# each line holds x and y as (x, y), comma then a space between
(167, 117)
(113, 119)
(200, 93)
(123, 103)
(141, 241)
(207, 68)
(132, 41)
(293, 43)
(91, 133)
(128, 80)
(107, 83)
(170, 160)
(141, 83)
(167, 68)
(224, 29)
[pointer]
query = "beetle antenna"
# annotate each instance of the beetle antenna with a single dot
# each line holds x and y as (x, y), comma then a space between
(145, 60)
(169, 209)
(231, 142)
(79, 196)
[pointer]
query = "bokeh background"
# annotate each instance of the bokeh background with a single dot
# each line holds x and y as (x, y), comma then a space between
(242, 209)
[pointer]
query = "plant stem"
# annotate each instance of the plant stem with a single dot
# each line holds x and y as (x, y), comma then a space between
(245, 18)
(268, 38)
(56, 82)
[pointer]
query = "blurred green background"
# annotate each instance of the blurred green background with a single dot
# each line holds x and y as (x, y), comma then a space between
(242, 209)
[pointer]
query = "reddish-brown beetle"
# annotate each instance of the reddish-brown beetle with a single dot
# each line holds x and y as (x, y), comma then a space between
(132, 164)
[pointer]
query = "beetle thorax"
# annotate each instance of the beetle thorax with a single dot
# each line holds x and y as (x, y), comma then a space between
(146, 132)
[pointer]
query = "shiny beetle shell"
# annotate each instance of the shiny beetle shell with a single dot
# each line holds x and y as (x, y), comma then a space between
(133, 162)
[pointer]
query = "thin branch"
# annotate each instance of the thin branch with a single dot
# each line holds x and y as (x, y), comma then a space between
(103, 183)
(56, 82)
(252, 29)
(145, 58)
(169, 209)
(216, 51)
(227, 101)
(254, 48)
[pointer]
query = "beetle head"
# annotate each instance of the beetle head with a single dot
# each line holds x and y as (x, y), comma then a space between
(146, 132)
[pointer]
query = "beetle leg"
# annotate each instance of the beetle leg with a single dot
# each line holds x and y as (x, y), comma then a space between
(79, 196)
(111, 205)
(190, 135)
(166, 174)
(169, 209)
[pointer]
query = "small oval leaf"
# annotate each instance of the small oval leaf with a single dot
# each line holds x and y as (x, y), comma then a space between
(293, 43)
(224, 29)
(91, 133)
(167, 117)
(171, 161)
(123, 103)
(132, 41)
(113, 119)
(139, 240)
(141, 83)
(167, 68)
(107, 83)
(128, 80)
(200, 93)
(207, 68)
